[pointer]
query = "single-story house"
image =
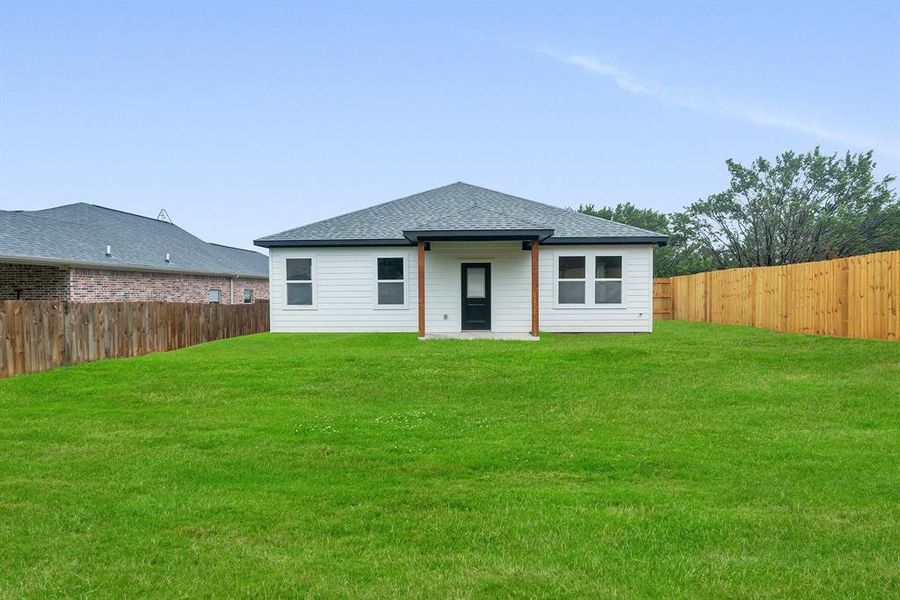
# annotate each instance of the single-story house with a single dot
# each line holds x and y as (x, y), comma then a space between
(461, 259)
(88, 253)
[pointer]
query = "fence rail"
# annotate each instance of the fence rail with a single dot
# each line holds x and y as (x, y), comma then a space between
(37, 335)
(855, 297)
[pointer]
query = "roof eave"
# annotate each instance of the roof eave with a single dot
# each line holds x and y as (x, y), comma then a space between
(264, 243)
(415, 236)
(659, 240)
(412, 237)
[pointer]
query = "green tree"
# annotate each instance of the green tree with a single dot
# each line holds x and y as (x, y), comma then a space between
(675, 258)
(628, 213)
(801, 207)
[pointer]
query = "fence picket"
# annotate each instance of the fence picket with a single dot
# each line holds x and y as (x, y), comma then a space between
(36, 335)
(856, 297)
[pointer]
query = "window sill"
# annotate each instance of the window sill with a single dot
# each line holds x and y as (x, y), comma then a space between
(391, 307)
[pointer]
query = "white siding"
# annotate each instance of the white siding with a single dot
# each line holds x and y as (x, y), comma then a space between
(345, 289)
(636, 311)
(510, 285)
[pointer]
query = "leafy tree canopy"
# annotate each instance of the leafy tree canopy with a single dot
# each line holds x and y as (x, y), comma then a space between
(801, 207)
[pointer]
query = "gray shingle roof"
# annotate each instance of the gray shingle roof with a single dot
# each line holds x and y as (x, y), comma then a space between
(460, 207)
(79, 233)
(474, 218)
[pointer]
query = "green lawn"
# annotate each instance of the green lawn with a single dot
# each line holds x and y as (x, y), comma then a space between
(700, 460)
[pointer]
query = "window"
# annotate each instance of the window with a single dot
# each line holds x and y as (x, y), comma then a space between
(476, 280)
(579, 277)
(608, 280)
(391, 281)
(214, 296)
(571, 280)
(248, 296)
(298, 273)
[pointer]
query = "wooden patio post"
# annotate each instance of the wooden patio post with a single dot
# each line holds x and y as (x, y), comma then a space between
(535, 306)
(421, 270)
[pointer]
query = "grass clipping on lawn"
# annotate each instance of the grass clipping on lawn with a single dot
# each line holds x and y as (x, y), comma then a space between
(699, 460)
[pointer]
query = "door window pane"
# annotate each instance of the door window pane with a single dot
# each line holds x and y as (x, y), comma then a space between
(299, 269)
(608, 267)
(390, 268)
(390, 293)
(571, 267)
(475, 283)
(608, 292)
(571, 292)
(299, 294)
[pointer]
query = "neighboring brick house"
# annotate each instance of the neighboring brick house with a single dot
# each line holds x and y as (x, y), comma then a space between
(87, 253)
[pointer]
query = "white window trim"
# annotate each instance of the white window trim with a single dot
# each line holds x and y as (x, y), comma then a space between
(590, 270)
(559, 279)
(405, 282)
(313, 280)
(621, 280)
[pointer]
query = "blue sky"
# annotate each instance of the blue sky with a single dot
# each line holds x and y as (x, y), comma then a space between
(246, 119)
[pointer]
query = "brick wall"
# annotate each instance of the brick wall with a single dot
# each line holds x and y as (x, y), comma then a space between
(99, 285)
(33, 282)
(42, 282)
(259, 287)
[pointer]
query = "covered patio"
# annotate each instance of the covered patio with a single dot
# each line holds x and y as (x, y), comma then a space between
(487, 235)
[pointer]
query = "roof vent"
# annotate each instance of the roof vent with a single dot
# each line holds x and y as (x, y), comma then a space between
(164, 216)
(109, 250)
(168, 258)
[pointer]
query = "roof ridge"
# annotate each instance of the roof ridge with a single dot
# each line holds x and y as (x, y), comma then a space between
(131, 214)
(235, 248)
(100, 206)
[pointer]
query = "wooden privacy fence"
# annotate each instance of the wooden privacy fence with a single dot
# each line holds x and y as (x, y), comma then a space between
(855, 297)
(662, 298)
(36, 335)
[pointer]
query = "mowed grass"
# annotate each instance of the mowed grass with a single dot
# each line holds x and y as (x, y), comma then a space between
(701, 460)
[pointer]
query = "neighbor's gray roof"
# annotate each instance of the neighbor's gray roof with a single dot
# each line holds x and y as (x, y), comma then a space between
(78, 234)
(459, 207)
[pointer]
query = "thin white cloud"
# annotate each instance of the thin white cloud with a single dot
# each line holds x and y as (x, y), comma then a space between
(724, 107)
(592, 65)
